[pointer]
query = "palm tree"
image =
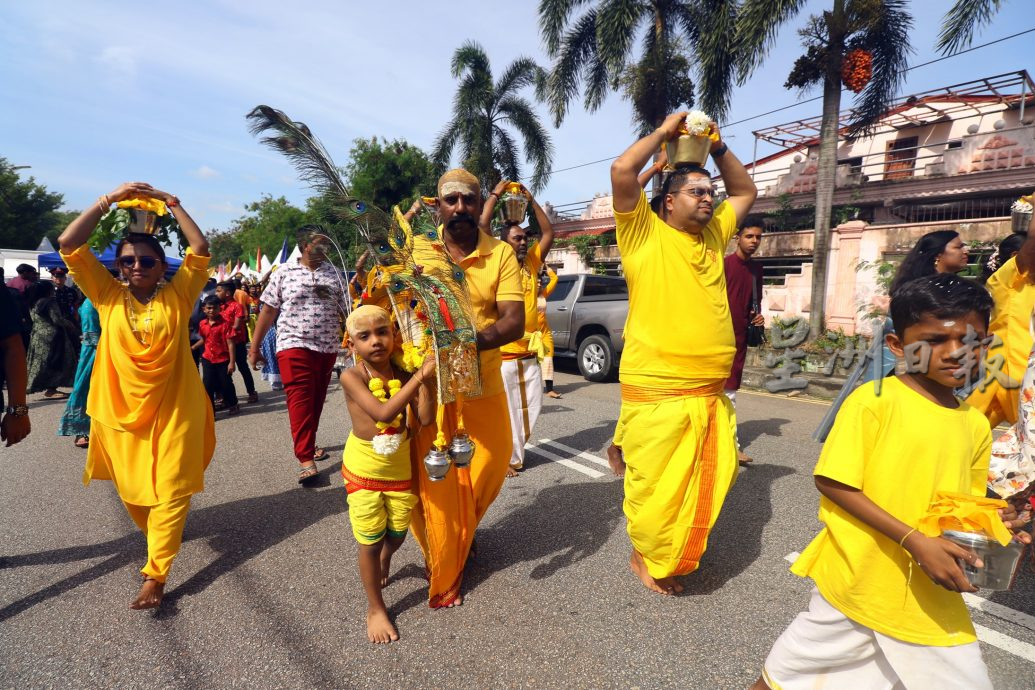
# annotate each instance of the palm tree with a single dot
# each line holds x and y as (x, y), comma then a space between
(879, 27)
(962, 20)
(599, 47)
(482, 108)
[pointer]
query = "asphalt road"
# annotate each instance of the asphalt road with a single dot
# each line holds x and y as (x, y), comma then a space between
(265, 593)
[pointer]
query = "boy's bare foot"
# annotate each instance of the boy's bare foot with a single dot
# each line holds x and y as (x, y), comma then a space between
(512, 471)
(615, 460)
(670, 583)
(459, 601)
(640, 569)
(743, 458)
(149, 596)
(379, 629)
(553, 394)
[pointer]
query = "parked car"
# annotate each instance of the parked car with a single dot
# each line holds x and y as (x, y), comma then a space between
(587, 316)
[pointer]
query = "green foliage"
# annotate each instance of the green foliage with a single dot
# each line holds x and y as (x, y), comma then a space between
(487, 113)
(28, 212)
(387, 173)
(225, 247)
(607, 239)
(843, 214)
(114, 224)
(585, 247)
(962, 20)
(884, 273)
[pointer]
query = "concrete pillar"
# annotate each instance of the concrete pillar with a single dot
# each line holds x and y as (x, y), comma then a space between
(841, 283)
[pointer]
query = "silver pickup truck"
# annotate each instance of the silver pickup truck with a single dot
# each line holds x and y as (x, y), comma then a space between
(587, 316)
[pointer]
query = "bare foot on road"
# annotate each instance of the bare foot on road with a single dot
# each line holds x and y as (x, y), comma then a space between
(459, 601)
(743, 458)
(614, 459)
(149, 596)
(640, 569)
(379, 629)
(386, 566)
(512, 472)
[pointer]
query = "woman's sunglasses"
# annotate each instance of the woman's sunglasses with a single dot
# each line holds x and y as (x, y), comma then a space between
(146, 262)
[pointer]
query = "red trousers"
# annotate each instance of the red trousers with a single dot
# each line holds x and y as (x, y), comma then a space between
(305, 374)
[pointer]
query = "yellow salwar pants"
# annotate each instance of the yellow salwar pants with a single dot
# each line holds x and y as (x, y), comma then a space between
(681, 460)
(162, 524)
(448, 511)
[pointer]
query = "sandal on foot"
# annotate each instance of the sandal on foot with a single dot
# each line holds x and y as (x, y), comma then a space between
(56, 395)
(307, 473)
(82, 442)
(320, 455)
(234, 409)
(253, 397)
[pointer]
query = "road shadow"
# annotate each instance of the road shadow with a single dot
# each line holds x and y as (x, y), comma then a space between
(748, 431)
(1019, 596)
(736, 540)
(229, 529)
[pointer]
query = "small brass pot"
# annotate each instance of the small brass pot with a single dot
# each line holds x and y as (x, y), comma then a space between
(687, 149)
(514, 207)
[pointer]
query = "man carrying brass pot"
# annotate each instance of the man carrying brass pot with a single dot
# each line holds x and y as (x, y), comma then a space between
(522, 374)
(675, 425)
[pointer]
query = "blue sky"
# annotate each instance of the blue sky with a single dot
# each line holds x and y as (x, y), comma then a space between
(97, 93)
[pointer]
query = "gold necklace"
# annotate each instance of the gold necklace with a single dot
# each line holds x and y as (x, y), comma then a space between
(143, 331)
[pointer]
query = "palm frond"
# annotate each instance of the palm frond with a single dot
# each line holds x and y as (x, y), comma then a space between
(578, 48)
(470, 57)
(505, 155)
(553, 17)
(303, 150)
(617, 21)
(535, 141)
(962, 21)
(757, 25)
(716, 56)
(445, 142)
(887, 38)
(520, 73)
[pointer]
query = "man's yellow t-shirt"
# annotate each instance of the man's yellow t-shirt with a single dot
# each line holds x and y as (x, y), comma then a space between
(492, 276)
(530, 288)
(1014, 298)
(899, 449)
(678, 331)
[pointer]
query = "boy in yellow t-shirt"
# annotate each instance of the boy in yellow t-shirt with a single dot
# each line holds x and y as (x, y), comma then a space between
(376, 462)
(886, 611)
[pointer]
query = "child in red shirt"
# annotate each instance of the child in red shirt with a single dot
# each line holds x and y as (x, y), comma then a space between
(217, 365)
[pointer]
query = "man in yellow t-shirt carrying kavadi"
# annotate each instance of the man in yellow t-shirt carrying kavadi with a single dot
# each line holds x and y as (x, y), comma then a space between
(449, 510)
(680, 454)
(522, 375)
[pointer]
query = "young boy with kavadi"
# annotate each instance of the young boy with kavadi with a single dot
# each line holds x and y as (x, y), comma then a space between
(886, 610)
(376, 463)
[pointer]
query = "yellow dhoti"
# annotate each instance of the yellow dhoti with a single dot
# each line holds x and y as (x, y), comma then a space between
(681, 460)
(379, 490)
(448, 511)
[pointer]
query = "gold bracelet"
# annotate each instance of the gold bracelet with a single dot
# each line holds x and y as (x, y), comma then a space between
(902, 541)
(103, 203)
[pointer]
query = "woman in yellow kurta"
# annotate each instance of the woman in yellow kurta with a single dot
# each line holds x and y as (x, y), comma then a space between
(152, 433)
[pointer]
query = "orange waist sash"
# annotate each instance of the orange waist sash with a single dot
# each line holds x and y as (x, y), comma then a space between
(640, 394)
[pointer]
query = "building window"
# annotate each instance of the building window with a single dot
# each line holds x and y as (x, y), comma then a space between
(900, 158)
(954, 144)
(854, 164)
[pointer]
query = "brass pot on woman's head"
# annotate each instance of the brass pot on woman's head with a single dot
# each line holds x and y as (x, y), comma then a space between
(142, 222)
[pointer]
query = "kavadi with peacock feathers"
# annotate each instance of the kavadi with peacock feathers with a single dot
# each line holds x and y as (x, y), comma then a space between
(410, 272)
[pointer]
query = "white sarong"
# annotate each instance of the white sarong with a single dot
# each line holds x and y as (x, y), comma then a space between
(523, 381)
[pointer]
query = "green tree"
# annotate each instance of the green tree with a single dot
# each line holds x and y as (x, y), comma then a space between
(27, 210)
(675, 36)
(61, 221)
(265, 225)
(880, 27)
(962, 21)
(387, 173)
(483, 110)
(224, 247)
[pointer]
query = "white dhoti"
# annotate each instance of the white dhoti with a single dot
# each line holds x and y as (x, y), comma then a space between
(523, 381)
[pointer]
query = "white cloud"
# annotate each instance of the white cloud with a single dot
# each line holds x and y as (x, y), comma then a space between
(205, 172)
(121, 60)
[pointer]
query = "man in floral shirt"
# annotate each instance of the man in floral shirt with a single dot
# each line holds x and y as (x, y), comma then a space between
(307, 297)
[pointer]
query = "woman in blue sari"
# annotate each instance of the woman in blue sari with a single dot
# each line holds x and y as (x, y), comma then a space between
(75, 422)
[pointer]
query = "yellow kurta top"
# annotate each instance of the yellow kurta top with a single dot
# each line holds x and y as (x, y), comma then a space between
(530, 288)
(152, 430)
(492, 276)
(1014, 298)
(678, 332)
(900, 450)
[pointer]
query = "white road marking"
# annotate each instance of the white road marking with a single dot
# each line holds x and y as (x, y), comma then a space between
(1005, 643)
(987, 635)
(550, 455)
(999, 611)
(575, 452)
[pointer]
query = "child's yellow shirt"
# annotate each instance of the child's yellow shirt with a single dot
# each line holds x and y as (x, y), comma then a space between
(899, 449)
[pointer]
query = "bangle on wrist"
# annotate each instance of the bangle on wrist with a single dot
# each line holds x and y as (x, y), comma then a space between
(172, 203)
(103, 203)
(902, 541)
(721, 151)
